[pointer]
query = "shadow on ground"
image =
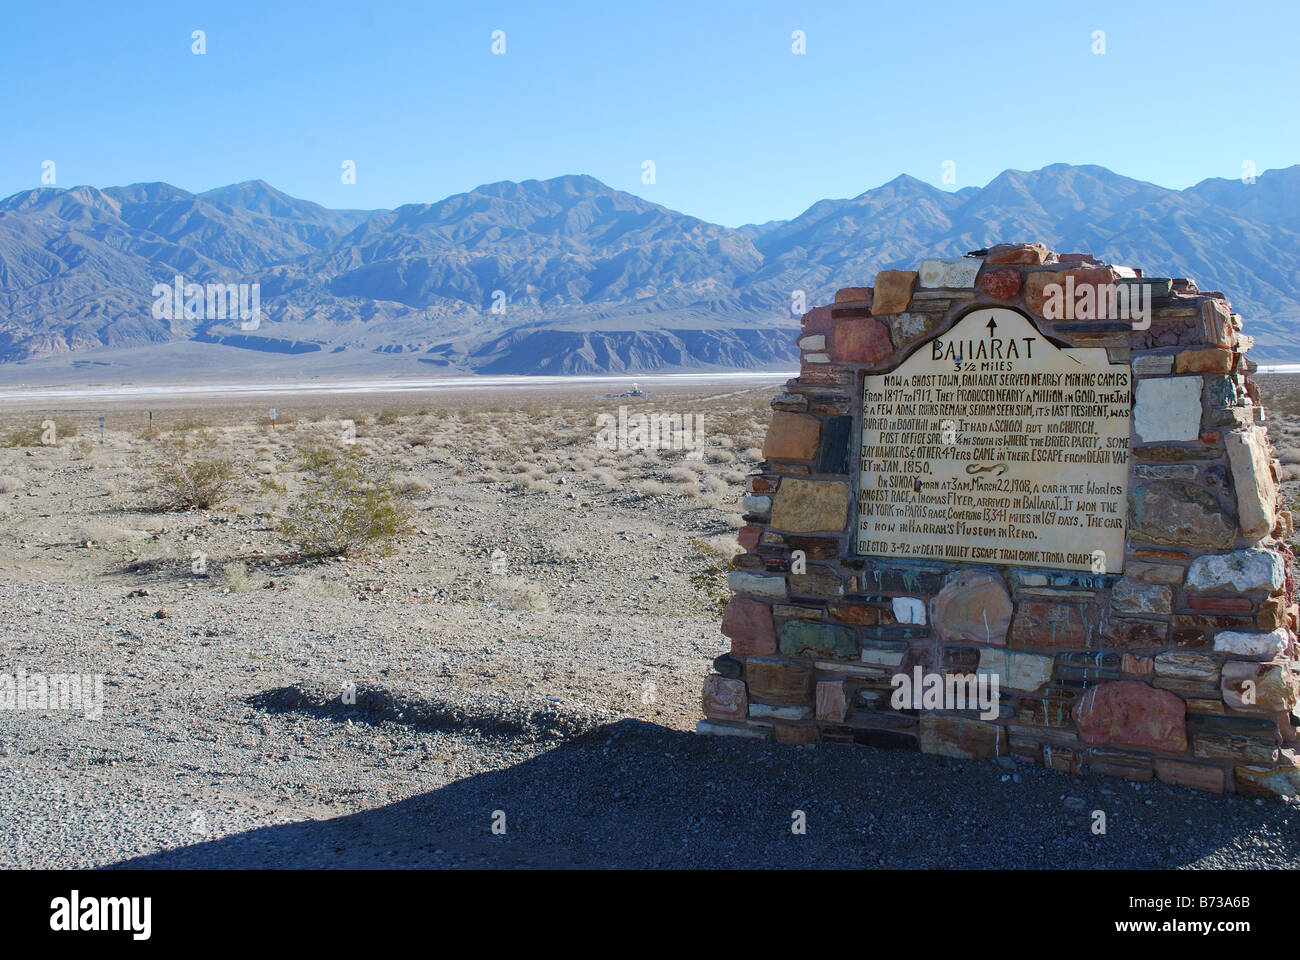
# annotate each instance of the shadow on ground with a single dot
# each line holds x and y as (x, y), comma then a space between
(632, 794)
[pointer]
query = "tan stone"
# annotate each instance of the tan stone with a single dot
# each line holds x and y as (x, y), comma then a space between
(1270, 615)
(1211, 360)
(779, 681)
(1216, 324)
(1259, 687)
(1282, 780)
(973, 605)
(1180, 774)
(893, 291)
(832, 704)
(792, 436)
(1177, 665)
(1155, 572)
(961, 737)
(811, 506)
(852, 294)
(1253, 481)
(788, 733)
(1035, 284)
(1178, 513)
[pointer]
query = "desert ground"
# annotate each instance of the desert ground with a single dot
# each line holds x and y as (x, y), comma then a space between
(528, 657)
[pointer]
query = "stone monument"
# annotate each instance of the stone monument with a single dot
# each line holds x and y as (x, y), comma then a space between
(1021, 504)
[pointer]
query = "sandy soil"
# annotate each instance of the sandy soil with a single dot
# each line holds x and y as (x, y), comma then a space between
(556, 698)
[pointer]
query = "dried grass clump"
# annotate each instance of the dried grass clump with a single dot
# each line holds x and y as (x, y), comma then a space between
(411, 487)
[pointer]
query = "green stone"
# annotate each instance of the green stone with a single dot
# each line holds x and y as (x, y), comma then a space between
(809, 638)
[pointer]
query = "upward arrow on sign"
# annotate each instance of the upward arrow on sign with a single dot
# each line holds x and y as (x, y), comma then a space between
(992, 325)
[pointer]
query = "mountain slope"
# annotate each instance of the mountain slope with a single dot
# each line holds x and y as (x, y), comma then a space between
(571, 276)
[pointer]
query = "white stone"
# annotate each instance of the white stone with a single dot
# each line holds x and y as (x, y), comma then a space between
(1240, 570)
(1152, 366)
(850, 668)
(1254, 646)
(957, 272)
(817, 358)
(756, 504)
(1136, 596)
(1015, 671)
(741, 581)
(766, 711)
(709, 728)
(1168, 408)
(882, 658)
(909, 610)
(815, 342)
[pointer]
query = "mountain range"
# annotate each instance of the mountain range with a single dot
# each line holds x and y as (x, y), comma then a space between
(568, 275)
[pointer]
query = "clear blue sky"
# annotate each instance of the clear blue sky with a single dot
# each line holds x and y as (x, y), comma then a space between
(740, 128)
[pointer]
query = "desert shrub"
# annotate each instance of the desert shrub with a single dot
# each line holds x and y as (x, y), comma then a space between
(710, 580)
(190, 425)
(387, 417)
(189, 476)
(342, 511)
(21, 437)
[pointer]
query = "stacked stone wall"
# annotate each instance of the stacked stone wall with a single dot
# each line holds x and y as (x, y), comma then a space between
(1178, 663)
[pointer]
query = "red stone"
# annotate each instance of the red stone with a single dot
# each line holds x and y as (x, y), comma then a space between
(1000, 284)
(1130, 713)
(861, 341)
(817, 320)
(763, 484)
(856, 613)
(853, 294)
(1044, 624)
(725, 699)
(1209, 437)
(1220, 604)
(1016, 253)
(748, 623)
(748, 536)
